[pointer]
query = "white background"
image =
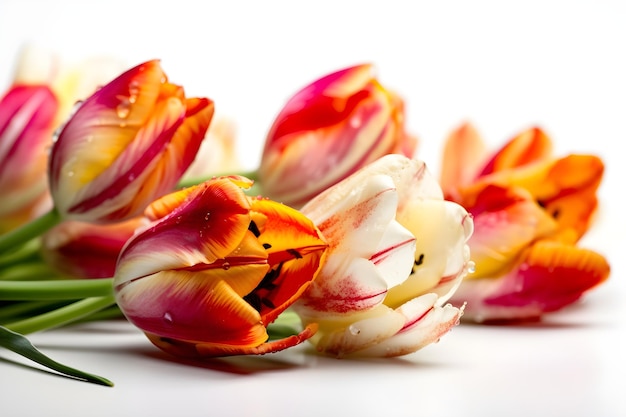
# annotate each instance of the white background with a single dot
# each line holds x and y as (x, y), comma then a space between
(504, 66)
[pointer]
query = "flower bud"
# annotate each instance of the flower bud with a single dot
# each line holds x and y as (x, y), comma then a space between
(327, 131)
(126, 145)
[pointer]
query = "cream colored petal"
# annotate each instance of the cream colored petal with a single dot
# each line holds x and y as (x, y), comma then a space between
(442, 229)
(428, 323)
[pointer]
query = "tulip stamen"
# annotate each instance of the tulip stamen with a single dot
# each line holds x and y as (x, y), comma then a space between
(254, 229)
(267, 283)
(418, 262)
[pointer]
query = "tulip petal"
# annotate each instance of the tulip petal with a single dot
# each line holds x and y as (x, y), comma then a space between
(86, 250)
(179, 154)
(184, 305)
(106, 118)
(566, 188)
(216, 219)
(27, 113)
(354, 228)
(347, 334)
(463, 156)
(550, 276)
(327, 100)
(126, 145)
(506, 221)
(426, 323)
(530, 146)
(397, 245)
(442, 229)
(296, 252)
(328, 130)
(184, 349)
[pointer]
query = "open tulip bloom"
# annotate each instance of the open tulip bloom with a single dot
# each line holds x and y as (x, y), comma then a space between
(397, 252)
(530, 209)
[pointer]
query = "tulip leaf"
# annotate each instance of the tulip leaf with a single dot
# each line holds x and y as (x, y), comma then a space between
(19, 344)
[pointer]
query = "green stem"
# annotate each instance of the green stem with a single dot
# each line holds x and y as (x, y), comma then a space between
(14, 239)
(61, 316)
(26, 252)
(19, 309)
(29, 271)
(189, 182)
(55, 290)
(109, 313)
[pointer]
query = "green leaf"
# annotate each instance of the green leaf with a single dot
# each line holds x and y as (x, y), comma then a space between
(19, 344)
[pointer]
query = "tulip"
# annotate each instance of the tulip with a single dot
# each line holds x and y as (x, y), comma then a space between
(87, 250)
(397, 251)
(530, 209)
(126, 145)
(214, 268)
(27, 115)
(327, 131)
(38, 100)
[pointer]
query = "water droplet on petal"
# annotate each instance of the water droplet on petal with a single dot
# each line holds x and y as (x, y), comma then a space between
(206, 216)
(226, 266)
(355, 122)
(133, 91)
(123, 108)
(471, 267)
(354, 330)
(167, 317)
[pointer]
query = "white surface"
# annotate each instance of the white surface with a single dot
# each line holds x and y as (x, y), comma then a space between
(503, 65)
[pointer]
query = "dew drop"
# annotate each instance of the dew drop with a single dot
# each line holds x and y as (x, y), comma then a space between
(354, 330)
(471, 267)
(167, 317)
(225, 266)
(207, 216)
(123, 108)
(133, 91)
(355, 122)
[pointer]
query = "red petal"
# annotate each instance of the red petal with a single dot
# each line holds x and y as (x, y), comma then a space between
(550, 276)
(206, 350)
(530, 146)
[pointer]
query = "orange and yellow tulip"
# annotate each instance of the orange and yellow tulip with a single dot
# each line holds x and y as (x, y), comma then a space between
(329, 130)
(530, 209)
(126, 145)
(214, 268)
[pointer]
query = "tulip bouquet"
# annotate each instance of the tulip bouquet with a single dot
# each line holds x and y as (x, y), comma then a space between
(357, 240)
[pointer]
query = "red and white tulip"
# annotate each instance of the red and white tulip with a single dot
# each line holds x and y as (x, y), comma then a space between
(397, 251)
